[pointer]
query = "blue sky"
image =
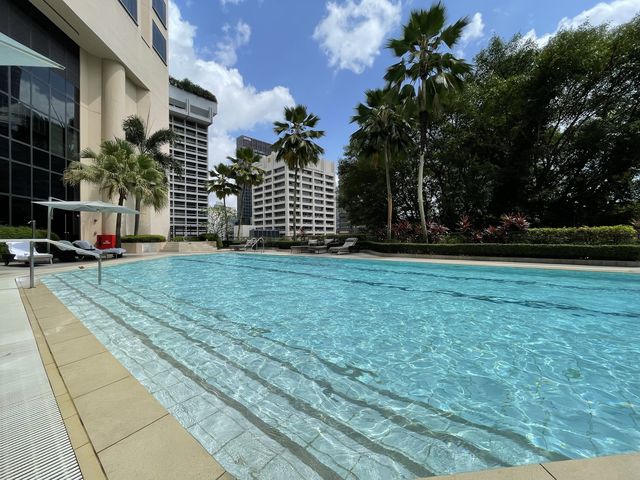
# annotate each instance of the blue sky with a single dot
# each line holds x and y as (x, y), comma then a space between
(259, 55)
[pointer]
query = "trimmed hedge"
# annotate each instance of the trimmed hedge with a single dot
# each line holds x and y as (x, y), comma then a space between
(143, 238)
(587, 252)
(23, 232)
(614, 235)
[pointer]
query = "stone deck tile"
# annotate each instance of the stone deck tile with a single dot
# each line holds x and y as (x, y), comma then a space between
(75, 349)
(615, 467)
(91, 373)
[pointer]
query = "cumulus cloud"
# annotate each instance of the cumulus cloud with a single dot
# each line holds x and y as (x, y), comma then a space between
(232, 2)
(473, 31)
(613, 13)
(234, 38)
(352, 32)
(240, 106)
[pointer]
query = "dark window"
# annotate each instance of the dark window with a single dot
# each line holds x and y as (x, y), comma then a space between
(21, 84)
(40, 97)
(20, 211)
(57, 187)
(159, 43)
(57, 138)
(40, 130)
(21, 179)
(161, 10)
(4, 176)
(4, 147)
(58, 164)
(4, 118)
(20, 153)
(4, 210)
(40, 159)
(20, 122)
(131, 6)
(4, 79)
(40, 183)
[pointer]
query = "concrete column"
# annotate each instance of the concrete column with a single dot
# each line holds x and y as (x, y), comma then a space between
(113, 113)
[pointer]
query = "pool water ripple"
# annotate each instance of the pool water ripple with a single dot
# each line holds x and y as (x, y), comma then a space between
(320, 368)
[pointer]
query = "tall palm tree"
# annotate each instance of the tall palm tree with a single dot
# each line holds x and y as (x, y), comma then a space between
(383, 131)
(427, 73)
(136, 133)
(118, 170)
(246, 174)
(296, 147)
(221, 185)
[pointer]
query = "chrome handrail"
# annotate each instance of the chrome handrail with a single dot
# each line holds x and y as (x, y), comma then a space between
(62, 246)
(258, 243)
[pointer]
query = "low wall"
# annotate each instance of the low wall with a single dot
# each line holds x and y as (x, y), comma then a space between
(143, 247)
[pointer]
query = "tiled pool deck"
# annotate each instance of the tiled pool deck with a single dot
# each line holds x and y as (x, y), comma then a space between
(120, 431)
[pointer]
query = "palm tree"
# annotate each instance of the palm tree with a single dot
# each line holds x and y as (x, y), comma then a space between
(136, 133)
(427, 73)
(296, 147)
(246, 174)
(220, 184)
(119, 170)
(383, 131)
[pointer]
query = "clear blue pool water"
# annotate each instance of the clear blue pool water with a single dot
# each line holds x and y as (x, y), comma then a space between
(297, 367)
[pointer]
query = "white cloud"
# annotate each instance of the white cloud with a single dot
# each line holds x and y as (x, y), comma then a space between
(613, 13)
(234, 38)
(473, 31)
(232, 2)
(352, 32)
(240, 106)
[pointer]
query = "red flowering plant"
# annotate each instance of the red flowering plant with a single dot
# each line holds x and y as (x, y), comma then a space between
(465, 228)
(436, 232)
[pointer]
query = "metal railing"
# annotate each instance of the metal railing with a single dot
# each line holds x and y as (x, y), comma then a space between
(258, 243)
(61, 246)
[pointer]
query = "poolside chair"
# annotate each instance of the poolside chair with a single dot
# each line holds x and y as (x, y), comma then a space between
(345, 247)
(248, 245)
(20, 252)
(324, 248)
(64, 252)
(84, 245)
(303, 248)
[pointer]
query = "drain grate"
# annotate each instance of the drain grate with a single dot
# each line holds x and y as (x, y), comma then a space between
(34, 443)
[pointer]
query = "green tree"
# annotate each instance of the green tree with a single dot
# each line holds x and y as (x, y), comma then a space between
(221, 186)
(218, 220)
(383, 131)
(433, 72)
(136, 133)
(296, 146)
(246, 174)
(118, 171)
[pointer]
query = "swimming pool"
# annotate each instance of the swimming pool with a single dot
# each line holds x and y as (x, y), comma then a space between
(299, 367)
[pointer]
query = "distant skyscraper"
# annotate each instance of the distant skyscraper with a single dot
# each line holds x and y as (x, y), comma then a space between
(261, 148)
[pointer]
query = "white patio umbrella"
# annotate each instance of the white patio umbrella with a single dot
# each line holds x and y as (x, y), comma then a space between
(80, 206)
(14, 53)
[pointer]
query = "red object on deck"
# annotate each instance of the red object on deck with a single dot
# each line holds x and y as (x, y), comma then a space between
(106, 241)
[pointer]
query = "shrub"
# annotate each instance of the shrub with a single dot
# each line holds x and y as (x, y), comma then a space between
(143, 238)
(593, 252)
(23, 232)
(615, 235)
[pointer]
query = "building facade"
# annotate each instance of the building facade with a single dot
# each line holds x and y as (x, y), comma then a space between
(114, 53)
(273, 200)
(189, 117)
(261, 148)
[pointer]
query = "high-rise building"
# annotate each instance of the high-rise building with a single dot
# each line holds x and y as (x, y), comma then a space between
(190, 114)
(261, 148)
(115, 58)
(273, 200)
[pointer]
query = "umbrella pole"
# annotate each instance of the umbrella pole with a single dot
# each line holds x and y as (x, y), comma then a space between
(49, 214)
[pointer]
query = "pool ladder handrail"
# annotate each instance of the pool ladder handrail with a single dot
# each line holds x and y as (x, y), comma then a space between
(260, 239)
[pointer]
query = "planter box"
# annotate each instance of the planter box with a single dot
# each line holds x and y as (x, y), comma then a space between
(143, 247)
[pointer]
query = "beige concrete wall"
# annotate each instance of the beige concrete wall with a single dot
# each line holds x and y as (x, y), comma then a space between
(120, 75)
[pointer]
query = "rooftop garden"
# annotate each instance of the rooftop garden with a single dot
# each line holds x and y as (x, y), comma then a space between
(188, 86)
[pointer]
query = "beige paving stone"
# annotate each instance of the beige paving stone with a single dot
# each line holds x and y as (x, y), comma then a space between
(89, 464)
(616, 467)
(162, 450)
(57, 385)
(113, 412)
(63, 333)
(65, 405)
(91, 373)
(226, 476)
(43, 348)
(76, 349)
(526, 472)
(57, 320)
(76, 431)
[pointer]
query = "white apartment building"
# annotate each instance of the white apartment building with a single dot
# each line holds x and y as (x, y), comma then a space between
(189, 117)
(273, 200)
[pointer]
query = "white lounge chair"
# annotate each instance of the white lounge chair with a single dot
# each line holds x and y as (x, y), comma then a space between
(84, 245)
(252, 242)
(324, 248)
(20, 252)
(345, 247)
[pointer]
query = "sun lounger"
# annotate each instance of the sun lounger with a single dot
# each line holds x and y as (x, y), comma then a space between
(324, 248)
(344, 248)
(20, 252)
(248, 245)
(84, 245)
(304, 248)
